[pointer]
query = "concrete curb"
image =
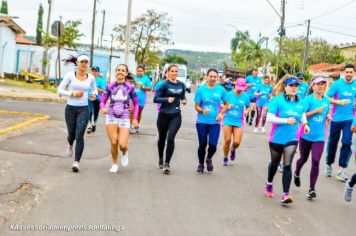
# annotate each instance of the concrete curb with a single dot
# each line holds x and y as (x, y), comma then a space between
(37, 118)
(33, 99)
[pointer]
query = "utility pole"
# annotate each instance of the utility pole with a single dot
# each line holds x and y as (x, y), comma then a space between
(92, 35)
(266, 56)
(282, 32)
(111, 49)
(102, 29)
(128, 32)
(306, 47)
(44, 56)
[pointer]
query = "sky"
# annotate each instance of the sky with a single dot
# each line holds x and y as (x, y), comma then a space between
(204, 25)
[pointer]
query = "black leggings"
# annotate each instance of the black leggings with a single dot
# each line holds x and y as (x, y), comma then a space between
(94, 108)
(288, 151)
(168, 126)
(77, 120)
(353, 181)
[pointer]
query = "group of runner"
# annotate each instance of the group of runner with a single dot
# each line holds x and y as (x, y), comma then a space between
(299, 115)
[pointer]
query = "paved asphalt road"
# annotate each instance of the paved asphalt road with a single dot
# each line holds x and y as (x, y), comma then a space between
(37, 186)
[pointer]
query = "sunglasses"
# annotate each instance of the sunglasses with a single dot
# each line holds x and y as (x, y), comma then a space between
(293, 85)
(84, 61)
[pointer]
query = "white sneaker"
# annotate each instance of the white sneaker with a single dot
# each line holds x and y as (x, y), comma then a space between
(263, 130)
(69, 151)
(114, 168)
(255, 130)
(75, 166)
(125, 159)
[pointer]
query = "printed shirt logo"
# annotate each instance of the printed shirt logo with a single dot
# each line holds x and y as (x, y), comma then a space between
(175, 91)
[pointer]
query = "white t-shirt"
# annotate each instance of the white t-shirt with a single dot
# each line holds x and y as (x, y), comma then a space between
(73, 84)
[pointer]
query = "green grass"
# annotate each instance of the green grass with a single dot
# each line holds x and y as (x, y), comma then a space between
(34, 85)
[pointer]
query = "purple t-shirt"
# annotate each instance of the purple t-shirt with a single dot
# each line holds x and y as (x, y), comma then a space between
(120, 96)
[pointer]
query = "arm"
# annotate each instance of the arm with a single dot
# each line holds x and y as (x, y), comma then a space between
(136, 107)
(158, 98)
(105, 97)
(276, 120)
(61, 88)
(94, 90)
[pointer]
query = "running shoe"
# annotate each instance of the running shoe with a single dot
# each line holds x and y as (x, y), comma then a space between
(125, 159)
(341, 176)
(348, 192)
(160, 163)
(137, 130)
(166, 169)
(311, 194)
(286, 199)
(250, 123)
(232, 154)
(75, 166)
(89, 130)
(263, 130)
(226, 161)
(269, 190)
(296, 180)
(255, 131)
(328, 171)
(114, 168)
(200, 169)
(93, 128)
(132, 130)
(69, 151)
(280, 167)
(209, 165)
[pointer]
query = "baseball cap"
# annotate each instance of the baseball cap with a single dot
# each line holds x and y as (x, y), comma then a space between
(96, 68)
(292, 80)
(82, 58)
(240, 84)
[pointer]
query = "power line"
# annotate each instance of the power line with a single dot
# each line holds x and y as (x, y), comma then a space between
(331, 31)
(273, 8)
(333, 10)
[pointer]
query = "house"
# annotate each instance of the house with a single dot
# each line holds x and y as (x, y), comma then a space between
(326, 69)
(9, 31)
(348, 50)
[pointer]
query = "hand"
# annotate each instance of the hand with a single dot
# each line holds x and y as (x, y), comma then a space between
(205, 111)
(328, 118)
(184, 101)
(306, 129)
(230, 106)
(248, 85)
(291, 121)
(219, 117)
(343, 102)
(104, 111)
(77, 94)
(319, 110)
(171, 99)
(353, 129)
(246, 113)
(135, 123)
(92, 97)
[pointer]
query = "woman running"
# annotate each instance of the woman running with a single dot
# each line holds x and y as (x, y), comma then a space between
(238, 107)
(350, 183)
(170, 95)
(143, 85)
(263, 94)
(284, 111)
(77, 111)
(316, 106)
(120, 92)
(207, 103)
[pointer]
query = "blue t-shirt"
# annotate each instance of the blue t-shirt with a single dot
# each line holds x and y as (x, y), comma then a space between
(317, 122)
(141, 94)
(284, 133)
(254, 81)
(100, 83)
(210, 99)
(263, 98)
(235, 115)
(157, 85)
(342, 90)
(302, 90)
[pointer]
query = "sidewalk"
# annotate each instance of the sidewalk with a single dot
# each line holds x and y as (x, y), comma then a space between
(28, 94)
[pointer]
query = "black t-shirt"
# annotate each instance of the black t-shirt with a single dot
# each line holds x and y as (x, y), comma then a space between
(169, 89)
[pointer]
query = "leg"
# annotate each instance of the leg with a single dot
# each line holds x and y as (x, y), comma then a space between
(258, 117)
(96, 111)
(227, 140)
(202, 130)
(317, 152)
(345, 151)
(140, 109)
(123, 138)
(352, 181)
(162, 126)
(91, 110)
(334, 136)
(173, 128)
(112, 130)
(304, 149)
(289, 151)
(276, 151)
(237, 132)
(81, 123)
(264, 116)
(70, 117)
(253, 111)
(214, 131)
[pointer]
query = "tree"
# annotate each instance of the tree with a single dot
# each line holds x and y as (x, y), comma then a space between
(173, 58)
(4, 9)
(39, 25)
(148, 33)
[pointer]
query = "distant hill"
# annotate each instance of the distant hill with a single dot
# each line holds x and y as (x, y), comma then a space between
(197, 60)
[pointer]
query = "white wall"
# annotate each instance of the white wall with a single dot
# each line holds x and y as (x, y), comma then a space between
(7, 49)
(30, 58)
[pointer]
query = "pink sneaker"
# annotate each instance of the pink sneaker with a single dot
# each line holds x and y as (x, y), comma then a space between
(269, 190)
(286, 199)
